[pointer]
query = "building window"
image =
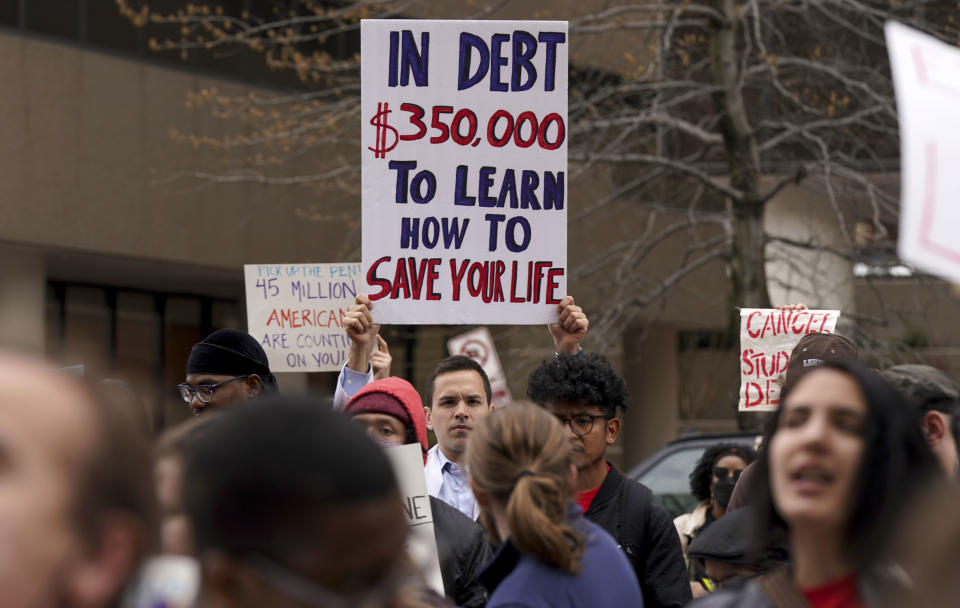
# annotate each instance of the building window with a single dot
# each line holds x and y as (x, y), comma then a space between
(140, 337)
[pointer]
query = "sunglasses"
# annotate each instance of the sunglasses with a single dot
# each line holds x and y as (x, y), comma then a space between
(722, 473)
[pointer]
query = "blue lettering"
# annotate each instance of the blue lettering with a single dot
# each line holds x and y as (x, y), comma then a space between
(485, 183)
(497, 61)
(524, 48)
(460, 191)
(467, 43)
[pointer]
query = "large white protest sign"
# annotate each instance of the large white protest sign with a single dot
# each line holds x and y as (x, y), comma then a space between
(478, 345)
(926, 78)
(407, 463)
(296, 313)
(767, 336)
(464, 148)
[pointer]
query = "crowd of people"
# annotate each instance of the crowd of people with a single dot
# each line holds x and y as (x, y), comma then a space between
(267, 499)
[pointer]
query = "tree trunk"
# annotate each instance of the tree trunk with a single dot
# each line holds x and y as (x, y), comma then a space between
(747, 274)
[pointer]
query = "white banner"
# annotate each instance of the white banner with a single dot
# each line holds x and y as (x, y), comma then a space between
(464, 147)
(478, 345)
(407, 463)
(926, 78)
(296, 313)
(767, 336)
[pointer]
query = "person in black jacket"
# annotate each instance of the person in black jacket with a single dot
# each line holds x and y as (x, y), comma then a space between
(584, 393)
(391, 413)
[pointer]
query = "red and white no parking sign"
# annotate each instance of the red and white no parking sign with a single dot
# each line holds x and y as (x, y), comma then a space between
(478, 345)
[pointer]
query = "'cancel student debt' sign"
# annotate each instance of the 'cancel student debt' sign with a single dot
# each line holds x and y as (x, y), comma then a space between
(767, 336)
(464, 147)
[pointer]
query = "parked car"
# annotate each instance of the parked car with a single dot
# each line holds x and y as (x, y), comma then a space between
(667, 471)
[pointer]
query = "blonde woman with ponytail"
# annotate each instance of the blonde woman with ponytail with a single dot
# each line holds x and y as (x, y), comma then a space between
(522, 474)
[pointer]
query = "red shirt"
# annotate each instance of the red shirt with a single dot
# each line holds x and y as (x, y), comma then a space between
(842, 593)
(585, 498)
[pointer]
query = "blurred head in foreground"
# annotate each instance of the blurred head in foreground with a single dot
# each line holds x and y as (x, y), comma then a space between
(843, 457)
(169, 454)
(928, 549)
(76, 495)
(292, 505)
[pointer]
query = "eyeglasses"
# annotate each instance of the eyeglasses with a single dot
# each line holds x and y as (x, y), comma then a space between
(722, 473)
(203, 391)
(581, 424)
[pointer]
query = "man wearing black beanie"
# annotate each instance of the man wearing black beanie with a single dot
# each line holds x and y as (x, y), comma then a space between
(227, 367)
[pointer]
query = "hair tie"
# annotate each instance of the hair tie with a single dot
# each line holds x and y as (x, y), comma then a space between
(523, 473)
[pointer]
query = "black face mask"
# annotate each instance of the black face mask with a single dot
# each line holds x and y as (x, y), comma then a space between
(722, 491)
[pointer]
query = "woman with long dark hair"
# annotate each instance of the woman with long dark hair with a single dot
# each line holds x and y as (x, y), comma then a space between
(843, 456)
(522, 473)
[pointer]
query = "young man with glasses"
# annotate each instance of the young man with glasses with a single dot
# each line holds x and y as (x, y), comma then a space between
(227, 367)
(584, 393)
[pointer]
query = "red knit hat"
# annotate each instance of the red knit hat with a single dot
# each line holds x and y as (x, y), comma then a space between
(403, 392)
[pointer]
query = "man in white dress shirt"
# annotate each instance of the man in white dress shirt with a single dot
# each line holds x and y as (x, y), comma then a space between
(458, 392)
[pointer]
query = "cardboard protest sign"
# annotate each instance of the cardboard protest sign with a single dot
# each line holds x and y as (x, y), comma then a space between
(767, 336)
(926, 78)
(464, 160)
(165, 581)
(296, 313)
(478, 345)
(407, 463)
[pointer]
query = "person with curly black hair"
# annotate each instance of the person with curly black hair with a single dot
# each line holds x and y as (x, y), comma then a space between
(711, 482)
(585, 395)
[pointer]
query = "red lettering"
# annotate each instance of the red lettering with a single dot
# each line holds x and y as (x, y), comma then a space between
(767, 324)
(476, 279)
(746, 395)
(457, 277)
(779, 326)
(307, 317)
(285, 318)
(824, 323)
(273, 318)
(498, 291)
(513, 285)
(538, 275)
(750, 318)
(432, 275)
(416, 278)
(552, 286)
(529, 281)
(773, 392)
(488, 288)
(747, 363)
(793, 325)
(374, 280)
(400, 281)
